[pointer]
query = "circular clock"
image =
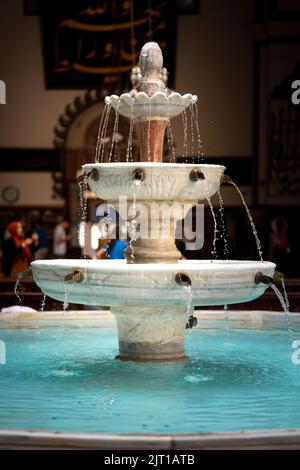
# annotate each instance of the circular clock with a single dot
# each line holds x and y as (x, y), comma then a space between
(10, 194)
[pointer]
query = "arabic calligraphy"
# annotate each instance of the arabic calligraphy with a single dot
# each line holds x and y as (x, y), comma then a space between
(103, 37)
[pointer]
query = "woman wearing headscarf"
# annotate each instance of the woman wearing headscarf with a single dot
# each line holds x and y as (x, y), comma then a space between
(17, 250)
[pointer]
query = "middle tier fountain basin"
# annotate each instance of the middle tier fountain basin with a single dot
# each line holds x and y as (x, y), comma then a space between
(162, 181)
(115, 283)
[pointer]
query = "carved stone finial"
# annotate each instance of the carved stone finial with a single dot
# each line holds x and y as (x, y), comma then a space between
(151, 59)
(151, 64)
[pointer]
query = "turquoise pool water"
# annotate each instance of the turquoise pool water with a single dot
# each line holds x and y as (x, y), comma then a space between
(67, 379)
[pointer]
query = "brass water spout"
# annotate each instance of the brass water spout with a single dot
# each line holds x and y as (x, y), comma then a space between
(191, 323)
(226, 179)
(93, 174)
(75, 276)
(138, 174)
(183, 279)
(196, 175)
(264, 279)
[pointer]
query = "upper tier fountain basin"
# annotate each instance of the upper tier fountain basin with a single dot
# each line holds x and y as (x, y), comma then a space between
(163, 181)
(115, 283)
(160, 105)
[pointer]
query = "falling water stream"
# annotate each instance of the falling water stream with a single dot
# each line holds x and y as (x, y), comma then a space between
(223, 234)
(192, 119)
(285, 308)
(257, 240)
(67, 289)
(107, 220)
(136, 186)
(18, 291)
(114, 139)
(285, 293)
(104, 139)
(214, 250)
(185, 135)
(43, 303)
(99, 135)
(226, 318)
(129, 153)
(194, 110)
(42, 308)
(83, 188)
(171, 142)
(188, 294)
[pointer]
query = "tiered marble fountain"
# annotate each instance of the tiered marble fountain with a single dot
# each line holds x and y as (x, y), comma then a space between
(146, 291)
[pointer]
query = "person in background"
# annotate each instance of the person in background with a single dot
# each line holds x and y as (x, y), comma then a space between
(42, 250)
(114, 247)
(6, 233)
(61, 238)
(17, 250)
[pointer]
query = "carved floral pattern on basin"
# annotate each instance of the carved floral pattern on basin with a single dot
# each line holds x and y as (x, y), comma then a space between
(163, 181)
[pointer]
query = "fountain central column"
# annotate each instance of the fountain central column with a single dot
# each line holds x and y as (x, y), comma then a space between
(151, 128)
(159, 246)
(149, 333)
(151, 131)
(161, 249)
(151, 138)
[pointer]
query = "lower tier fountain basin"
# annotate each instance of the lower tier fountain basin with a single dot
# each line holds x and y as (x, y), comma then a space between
(62, 388)
(114, 283)
(150, 306)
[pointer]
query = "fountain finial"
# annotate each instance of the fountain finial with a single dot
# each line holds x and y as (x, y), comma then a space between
(151, 63)
(151, 59)
(150, 98)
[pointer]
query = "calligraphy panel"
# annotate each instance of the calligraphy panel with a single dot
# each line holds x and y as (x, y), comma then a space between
(95, 43)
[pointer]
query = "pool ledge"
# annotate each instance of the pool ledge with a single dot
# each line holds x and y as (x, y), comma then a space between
(269, 439)
(103, 318)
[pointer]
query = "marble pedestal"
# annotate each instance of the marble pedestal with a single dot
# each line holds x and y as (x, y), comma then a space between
(151, 333)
